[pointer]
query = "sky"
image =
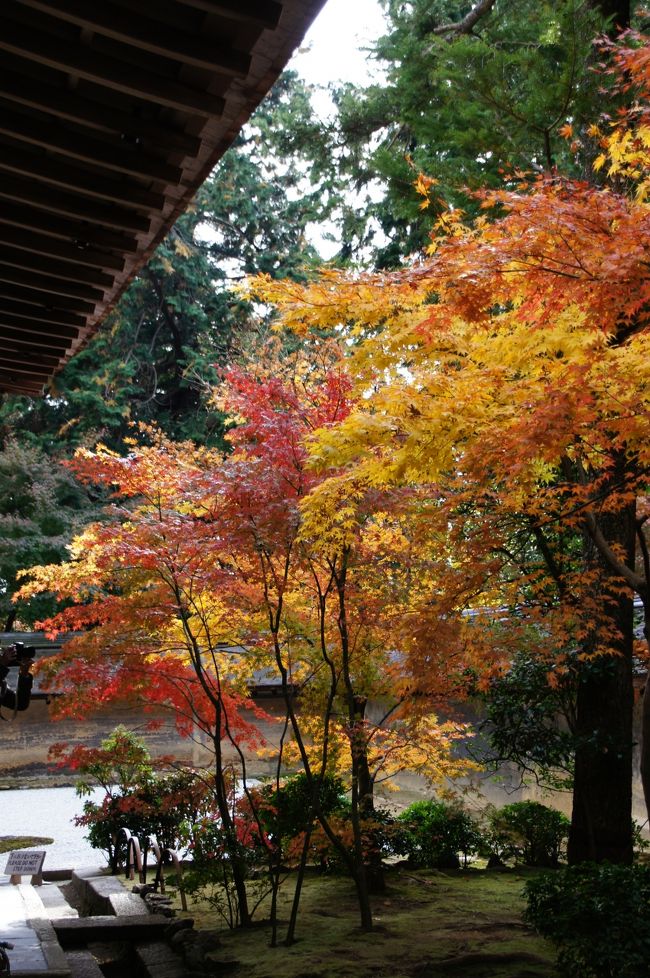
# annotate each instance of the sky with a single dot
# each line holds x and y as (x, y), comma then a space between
(333, 47)
(329, 53)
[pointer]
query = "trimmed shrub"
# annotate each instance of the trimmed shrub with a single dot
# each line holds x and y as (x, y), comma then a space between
(598, 916)
(529, 832)
(436, 834)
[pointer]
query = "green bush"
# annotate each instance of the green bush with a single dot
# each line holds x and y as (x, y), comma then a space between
(528, 832)
(598, 916)
(284, 811)
(435, 834)
(164, 806)
(210, 874)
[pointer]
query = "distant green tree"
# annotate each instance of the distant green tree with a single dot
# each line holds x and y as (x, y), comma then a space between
(41, 506)
(530, 718)
(470, 88)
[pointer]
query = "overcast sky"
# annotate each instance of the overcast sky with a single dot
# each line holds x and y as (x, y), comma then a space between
(333, 48)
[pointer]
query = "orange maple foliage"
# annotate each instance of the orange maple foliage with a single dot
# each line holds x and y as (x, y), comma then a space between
(509, 372)
(208, 555)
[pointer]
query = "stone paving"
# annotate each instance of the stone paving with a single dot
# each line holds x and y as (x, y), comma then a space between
(25, 923)
(48, 935)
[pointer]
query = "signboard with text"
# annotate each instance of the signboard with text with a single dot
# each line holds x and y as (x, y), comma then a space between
(27, 862)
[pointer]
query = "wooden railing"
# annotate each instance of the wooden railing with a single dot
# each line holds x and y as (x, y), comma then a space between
(136, 861)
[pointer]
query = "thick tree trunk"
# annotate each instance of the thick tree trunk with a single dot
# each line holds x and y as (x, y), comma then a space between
(601, 822)
(645, 715)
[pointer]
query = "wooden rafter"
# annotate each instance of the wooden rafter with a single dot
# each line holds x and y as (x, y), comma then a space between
(49, 284)
(76, 231)
(266, 13)
(22, 293)
(60, 173)
(36, 335)
(79, 253)
(111, 115)
(114, 154)
(17, 188)
(107, 71)
(40, 313)
(66, 270)
(148, 34)
(60, 102)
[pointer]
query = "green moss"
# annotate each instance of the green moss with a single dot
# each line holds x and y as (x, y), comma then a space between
(427, 924)
(10, 842)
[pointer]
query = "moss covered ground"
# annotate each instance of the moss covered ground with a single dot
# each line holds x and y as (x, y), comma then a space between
(427, 925)
(10, 842)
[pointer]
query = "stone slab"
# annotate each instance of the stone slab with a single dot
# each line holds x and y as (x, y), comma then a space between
(83, 965)
(160, 961)
(105, 895)
(103, 929)
(54, 903)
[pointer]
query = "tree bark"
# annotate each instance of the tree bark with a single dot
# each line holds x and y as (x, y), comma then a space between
(645, 713)
(601, 822)
(374, 866)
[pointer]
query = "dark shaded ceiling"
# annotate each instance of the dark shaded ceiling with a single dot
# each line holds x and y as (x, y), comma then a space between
(112, 113)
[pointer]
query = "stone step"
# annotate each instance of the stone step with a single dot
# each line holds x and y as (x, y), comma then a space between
(157, 958)
(24, 924)
(84, 930)
(83, 965)
(54, 902)
(105, 895)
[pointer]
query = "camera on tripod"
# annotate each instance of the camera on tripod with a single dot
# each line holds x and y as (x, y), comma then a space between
(22, 653)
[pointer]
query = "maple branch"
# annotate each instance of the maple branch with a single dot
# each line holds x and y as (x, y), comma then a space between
(467, 24)
(549, 556)
(629, 575)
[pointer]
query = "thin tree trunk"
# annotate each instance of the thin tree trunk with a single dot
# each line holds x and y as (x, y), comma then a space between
(645, 711)
(300, 878)
(223, 807)
(375, 876)
(358, 750)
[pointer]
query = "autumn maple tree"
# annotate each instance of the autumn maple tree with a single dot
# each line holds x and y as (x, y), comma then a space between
(148, 626)
(213, 570)
(508, 371)
(325, 609)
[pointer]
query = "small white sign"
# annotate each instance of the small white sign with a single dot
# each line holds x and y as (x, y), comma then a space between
(25, 863)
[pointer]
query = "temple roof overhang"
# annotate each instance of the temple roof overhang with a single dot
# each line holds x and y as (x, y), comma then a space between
(112, 114)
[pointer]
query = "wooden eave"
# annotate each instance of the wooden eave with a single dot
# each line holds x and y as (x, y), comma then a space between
(112, 114)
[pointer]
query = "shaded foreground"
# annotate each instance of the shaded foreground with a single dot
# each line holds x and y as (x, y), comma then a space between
(427, 924)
